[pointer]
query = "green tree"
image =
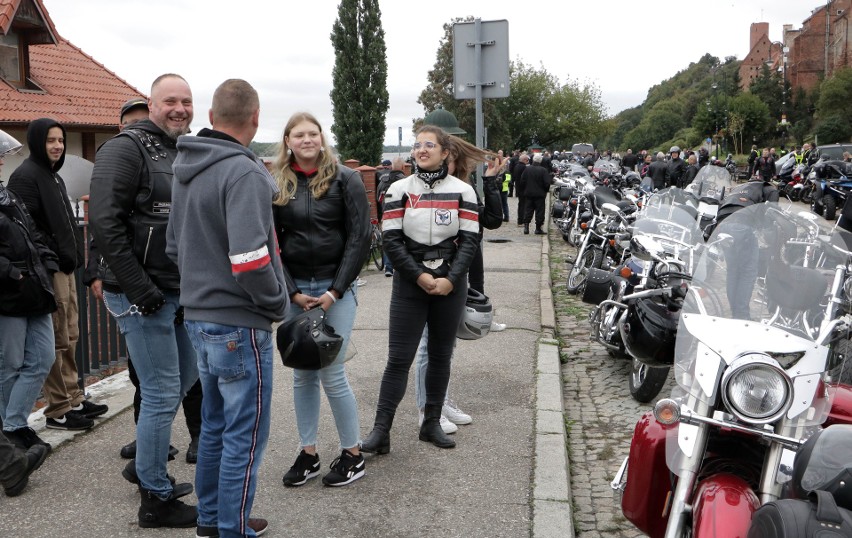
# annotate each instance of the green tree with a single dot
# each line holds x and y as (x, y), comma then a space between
(359, 94)
(834, 129)
(769, 88)
(835, 95)
(754, 115)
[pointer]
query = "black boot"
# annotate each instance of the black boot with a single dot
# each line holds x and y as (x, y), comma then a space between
(526, 229)
(539, 231)
(155, 512)
(378, 441)
(431, 430)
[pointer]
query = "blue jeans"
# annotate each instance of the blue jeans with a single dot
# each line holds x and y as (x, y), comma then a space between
(306, 383)
(388, 264)
(26, 355)
(235, 367)
(166, 366)
(421, 360)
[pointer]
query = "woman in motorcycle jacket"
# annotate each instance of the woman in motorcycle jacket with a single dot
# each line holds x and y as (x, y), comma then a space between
(26, 304)
(431, 233)
(322, 221)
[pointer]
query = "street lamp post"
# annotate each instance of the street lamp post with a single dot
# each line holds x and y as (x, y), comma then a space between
(715, 88)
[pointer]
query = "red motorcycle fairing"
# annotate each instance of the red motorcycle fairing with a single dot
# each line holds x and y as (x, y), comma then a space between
(841, 406)
(648, 478)
(722, 507)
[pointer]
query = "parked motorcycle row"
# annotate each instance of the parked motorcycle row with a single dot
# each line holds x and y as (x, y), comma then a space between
(751, 314)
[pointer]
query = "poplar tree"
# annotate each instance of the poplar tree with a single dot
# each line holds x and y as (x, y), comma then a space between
(359, 94)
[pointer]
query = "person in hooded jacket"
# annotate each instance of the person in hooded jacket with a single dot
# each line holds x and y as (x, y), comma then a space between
(43, 191)
(26, 305)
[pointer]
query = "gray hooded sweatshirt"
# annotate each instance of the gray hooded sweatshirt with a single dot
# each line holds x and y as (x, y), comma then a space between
(221, 234)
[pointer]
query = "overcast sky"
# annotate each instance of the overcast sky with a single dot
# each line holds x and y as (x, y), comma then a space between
(283, 48)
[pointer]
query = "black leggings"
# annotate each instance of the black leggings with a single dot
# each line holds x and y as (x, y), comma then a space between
(411, 309)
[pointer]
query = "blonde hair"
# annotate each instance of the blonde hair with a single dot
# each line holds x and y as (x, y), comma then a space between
(282, 168)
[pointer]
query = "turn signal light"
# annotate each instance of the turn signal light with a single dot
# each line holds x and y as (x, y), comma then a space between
(667, 411)
(626, 272)
(584, 225)
(612, 242)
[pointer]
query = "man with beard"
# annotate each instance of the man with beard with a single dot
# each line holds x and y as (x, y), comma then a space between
(129, 210)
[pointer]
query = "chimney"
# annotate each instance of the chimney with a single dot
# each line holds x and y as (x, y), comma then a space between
(758, 30)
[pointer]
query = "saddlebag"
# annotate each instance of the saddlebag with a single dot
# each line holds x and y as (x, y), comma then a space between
(819, 517)
(598, 284)
(565, 193)
(557, 210)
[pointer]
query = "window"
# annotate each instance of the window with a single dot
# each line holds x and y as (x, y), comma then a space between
(10, 58)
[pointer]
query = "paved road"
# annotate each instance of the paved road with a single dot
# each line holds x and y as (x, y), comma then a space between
(494, 484)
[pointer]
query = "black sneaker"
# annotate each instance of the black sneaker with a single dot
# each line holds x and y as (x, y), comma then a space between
(70, 421)
(307, 466)
(128, 451)
(25, 438)
(345, 469)
(192, 451)
(90, 409)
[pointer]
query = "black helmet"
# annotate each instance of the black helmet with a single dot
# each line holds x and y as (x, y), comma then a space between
(649, 332)
(307, 342)
(824, 462)
(477, 316)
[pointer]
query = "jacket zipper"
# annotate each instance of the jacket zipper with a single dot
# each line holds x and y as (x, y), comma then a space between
(147, 245)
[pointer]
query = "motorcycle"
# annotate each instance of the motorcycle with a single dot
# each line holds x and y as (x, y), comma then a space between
(706, 193)
(832, 187)
(608, 219)
(756, 373)
(638, 302)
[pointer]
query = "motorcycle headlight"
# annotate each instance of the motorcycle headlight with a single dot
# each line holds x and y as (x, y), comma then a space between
(756, 390)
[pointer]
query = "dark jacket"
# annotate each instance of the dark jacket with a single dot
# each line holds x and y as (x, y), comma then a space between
(26, 263)
(691, 172)
(43, 191)
(674, 172)
(630, 161)
(518, 177)
(752, 192)
(327, 237)
(765, 168)
(129, 206)
(384, 180)
(491, 208)
(657, 172)
(537, 181)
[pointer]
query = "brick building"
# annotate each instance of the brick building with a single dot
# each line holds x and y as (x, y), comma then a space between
(762, 51)
(821, 46)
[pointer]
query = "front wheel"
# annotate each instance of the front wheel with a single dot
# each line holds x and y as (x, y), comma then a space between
(580, 270)
(376, 254)
(646, 381)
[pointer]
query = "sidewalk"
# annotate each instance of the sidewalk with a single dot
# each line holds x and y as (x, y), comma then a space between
(508, 476)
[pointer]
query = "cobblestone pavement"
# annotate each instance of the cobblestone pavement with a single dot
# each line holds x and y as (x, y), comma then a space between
(600, 413)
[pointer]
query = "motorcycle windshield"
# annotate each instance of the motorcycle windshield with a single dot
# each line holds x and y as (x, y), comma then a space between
(753, 305)
(711, 182)
(671, 223)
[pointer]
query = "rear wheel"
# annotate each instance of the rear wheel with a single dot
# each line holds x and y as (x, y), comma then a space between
(376, 249)
(646, 382)
(830, 204)
(580, 271)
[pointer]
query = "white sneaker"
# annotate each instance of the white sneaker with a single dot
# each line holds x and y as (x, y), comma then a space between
(446, 425)
(360, 282)
(454, 414)
(497, 327)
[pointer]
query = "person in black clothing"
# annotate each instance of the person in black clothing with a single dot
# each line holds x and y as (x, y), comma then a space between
(510, 169)
(383, 181)
(752, 158)
(691, 170)
(630, 160)
(536, 184)
(41, 188)
(703, 157)
(657, 171)
(521, 186)
(675, 169)
(765, 166)
(26, 305)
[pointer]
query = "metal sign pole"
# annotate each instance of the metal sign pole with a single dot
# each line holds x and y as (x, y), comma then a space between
(480, 121)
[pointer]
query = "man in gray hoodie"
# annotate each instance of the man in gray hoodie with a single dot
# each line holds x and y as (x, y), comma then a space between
(232, 288)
